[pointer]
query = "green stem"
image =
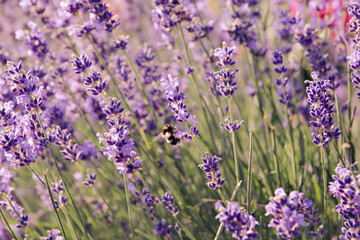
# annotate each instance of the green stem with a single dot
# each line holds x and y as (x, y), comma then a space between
(129, 206)
(249, 175)
(325, 188)
(53, 203)
(276, 160)
(234, 148)
(7, 224)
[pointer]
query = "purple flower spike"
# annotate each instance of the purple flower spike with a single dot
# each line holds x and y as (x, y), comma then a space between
(231, 127)
(211, 168)
(290, 213)
(322, 110)
(81, 64)
(53, 235)
(119, 145)
(225, 79)
(168, 202)
(163, 229)
(344, 187)
(5, 180)
(90, 181)
(175, 98)
(237, 221)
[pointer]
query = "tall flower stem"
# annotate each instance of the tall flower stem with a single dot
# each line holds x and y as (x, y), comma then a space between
(53, 203)
(129, 206)
(8, 225)
(276, 160)
(248, 200)
(325, 189)
(234, 148)
(62, 178)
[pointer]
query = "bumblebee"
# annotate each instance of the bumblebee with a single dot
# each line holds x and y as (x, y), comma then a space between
(168, 134)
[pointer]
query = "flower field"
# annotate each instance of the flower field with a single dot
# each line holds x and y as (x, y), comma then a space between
(179, 119)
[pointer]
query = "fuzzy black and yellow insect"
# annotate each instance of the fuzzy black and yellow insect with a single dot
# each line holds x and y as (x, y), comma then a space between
(168, 133)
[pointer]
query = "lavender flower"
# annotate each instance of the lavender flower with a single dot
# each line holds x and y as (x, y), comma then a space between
(16, 211)
(90, 181)
(63, 139)
(241, 26)
(322, 110)
(225, 83)
(290, 213)
(168, 202)
(5, 180)
(211, 168)
(163, 229)
(175, 98)
(237, 221)
(283, 83)
(231, 127)
(97, 86)
(53, 235)
(354, 58)
(345, 187)
(119, 145)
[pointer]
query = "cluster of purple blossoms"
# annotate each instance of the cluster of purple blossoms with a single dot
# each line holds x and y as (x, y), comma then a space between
(225, 78)
(284, 87)
(354, 59)
(146, 199)
(22, 138)
(231, 127)
(322, 110)
(103, 15)
(53, 235)
(96, 85)
(237, 221)
(90, 181)
(58, 189)
(290, 213)
(5, 180)
(176, 104)
(285, 28)
(63, 139)
(166, 15)
(318, 61)
(175, 98)
(119, 145)
(197, 30)
(211, 168)
(149, 200)
(16, 211)
(35, 40)
(346, 188)
(241, 27)
(168, 202)
(163, 229)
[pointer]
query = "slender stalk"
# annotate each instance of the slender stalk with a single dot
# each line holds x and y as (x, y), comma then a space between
(69, 194)
(129, 207)
(234, 148)
(325, 189)
(249, 175)
(276, 160)
(8, 225)
(53, 203)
